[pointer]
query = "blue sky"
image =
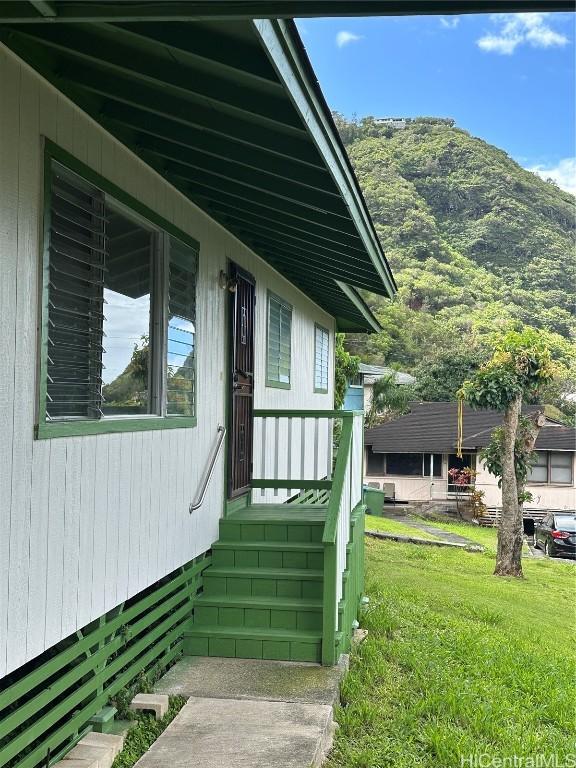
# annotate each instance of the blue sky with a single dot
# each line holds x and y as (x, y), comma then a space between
(507, 78)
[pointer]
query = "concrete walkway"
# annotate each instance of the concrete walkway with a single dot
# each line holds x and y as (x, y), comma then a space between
(420, 525)
(453, 538)
(247, 714)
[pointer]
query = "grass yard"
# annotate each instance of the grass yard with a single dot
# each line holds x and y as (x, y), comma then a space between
(459, 663)
(386, 525)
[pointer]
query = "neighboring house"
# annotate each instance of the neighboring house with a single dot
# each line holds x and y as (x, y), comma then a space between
(181, 236)
(416, 451)
(361, 388)
(393, 122)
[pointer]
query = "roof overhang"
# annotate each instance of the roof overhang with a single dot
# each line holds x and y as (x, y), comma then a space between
(230, 113)
(30, 11)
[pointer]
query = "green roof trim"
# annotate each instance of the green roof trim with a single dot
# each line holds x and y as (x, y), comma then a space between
(361, 306)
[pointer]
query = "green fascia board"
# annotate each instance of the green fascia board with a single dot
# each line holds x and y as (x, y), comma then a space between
(360, 305)
(53, 11)
(286, 50)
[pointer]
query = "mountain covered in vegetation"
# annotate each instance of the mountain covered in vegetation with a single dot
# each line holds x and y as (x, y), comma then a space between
(477, 245)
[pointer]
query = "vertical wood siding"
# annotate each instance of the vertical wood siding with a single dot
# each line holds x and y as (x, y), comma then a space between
(87, 522)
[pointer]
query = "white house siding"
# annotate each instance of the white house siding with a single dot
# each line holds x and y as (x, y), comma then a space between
(87, 522)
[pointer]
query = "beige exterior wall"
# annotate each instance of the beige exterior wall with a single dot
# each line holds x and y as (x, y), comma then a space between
(545, 496)
(415, 488)
(430, 488)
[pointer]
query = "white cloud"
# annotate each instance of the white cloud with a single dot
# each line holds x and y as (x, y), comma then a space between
(564, 173)
(345, 38)
(450, 23)
(516, 29)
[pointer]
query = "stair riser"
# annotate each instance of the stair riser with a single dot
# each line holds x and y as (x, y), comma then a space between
(231, 530)
(258, 587)
(253, 558)
(211, 645)
(262, 618)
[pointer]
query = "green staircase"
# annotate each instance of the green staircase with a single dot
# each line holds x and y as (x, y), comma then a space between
(263, 592)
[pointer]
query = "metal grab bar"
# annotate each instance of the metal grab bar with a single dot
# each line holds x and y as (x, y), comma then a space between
(221, 431)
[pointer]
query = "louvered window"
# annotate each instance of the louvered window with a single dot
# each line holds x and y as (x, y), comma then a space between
(321, 358)
(121, 333)
(279, 340)
(77, 256)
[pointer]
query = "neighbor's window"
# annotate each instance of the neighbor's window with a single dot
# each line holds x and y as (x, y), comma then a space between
(414, 464)
(374, 462)
(553, 467)
(121, 310)
(279, 341)
(356, 381)
(321, 358)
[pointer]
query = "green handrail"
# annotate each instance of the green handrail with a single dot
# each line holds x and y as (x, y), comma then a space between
(329, 536)
(329, 541)
(294, 413)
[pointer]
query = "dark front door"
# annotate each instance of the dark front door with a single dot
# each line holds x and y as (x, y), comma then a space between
(242, 380)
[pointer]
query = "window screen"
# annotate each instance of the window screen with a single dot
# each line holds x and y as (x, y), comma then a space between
(539, 470)
(321, 359)
(404, 464)
(374, 462)
(561, 467)
(279, 339)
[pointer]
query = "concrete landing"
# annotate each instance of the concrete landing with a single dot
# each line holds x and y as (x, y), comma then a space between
(216, 678)
(246, 713)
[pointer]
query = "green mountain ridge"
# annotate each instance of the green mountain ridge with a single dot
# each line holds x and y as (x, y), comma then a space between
(476, 242)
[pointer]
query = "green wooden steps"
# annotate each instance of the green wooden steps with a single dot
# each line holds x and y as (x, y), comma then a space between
(262, 594)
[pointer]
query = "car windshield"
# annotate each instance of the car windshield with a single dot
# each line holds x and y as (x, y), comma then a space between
(565, 522)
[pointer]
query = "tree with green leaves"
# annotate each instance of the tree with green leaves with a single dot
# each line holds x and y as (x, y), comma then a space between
(346, 367)
(389, 399)
(520, 367)
(440, 374)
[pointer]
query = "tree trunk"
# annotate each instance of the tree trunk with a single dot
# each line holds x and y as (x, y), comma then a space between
(535, 424)
(510, 532)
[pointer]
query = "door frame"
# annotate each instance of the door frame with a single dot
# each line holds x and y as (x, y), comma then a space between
(240, 498)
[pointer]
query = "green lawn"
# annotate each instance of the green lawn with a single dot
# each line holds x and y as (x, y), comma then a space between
(386, 525)
(458, 662)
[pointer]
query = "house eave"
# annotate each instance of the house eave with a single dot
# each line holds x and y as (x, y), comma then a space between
(229, 114)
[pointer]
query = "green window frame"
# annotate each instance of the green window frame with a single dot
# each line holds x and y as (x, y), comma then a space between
(321, 359)
(77, 270)
(278, 342)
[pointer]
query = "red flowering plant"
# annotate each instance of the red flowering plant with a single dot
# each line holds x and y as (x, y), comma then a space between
(462, 479)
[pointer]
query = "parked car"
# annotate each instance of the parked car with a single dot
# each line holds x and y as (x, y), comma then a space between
(556, 534)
